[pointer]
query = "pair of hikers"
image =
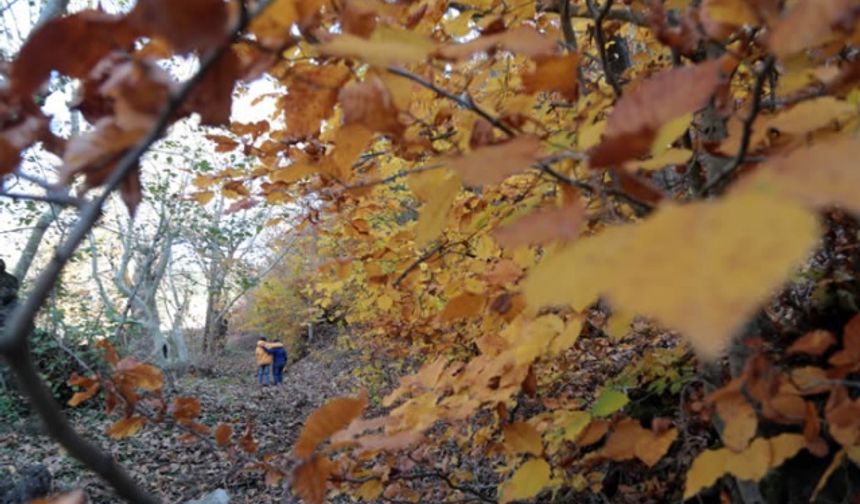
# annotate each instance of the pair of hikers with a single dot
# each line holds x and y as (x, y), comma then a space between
(271, 359)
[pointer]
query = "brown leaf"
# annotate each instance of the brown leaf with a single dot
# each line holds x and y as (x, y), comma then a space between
(110, 352)
(247, 441)
(850, 353)
(185, 409)
(810, 23)
(495, 163)
(223, 433)
(74, 497)
(189, 25)
(369, 104)
(543, 226)
(223, 143)
(522, 437)
(71, 45)
(212, 97)
(638, 115)
(812, 343)
(309, 479)
(325, 421)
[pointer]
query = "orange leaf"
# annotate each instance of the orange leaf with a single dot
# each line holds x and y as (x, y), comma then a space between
(188, 25)
(462, 306)
(223, 432)
(554, 73)
(247, 441)
(309, 479)
(140, 375)
(812, 343)
(74, 497)
(110, 352)
(325, 421)
(186, 408)
(638, 115)
(126, 427)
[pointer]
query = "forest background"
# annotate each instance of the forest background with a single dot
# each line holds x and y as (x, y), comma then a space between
(569, 251)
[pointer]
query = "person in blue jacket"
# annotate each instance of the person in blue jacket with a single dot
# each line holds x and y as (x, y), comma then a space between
(279, 360)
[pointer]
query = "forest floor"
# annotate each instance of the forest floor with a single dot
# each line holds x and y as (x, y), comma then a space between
(179, 469)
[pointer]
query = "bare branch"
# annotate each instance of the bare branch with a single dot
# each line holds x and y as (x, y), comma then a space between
(746, 136)
(600, 38)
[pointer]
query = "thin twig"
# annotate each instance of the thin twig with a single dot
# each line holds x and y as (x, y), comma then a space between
(600, 39)
(746, 136)
(56, 199)
(465, 102)
(625, 15)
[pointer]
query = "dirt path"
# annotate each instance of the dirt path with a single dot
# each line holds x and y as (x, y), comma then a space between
(178, 469)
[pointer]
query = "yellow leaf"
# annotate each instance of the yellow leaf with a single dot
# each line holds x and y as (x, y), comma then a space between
(702, 268)
(670, 132)
(521, 437)
(370, 490)
(822, 175)
(203, 197)
(750, 464)
(527, 481)
(126, 427)
(567, 337)
(349, 141)
(273, 24)
(618, 325)
(384, 302)
(438, 189)
(740, 419)
(589, 135)
(386, 46)
(667, 157)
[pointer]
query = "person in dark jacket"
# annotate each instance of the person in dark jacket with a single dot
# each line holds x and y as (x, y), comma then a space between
(279, 360)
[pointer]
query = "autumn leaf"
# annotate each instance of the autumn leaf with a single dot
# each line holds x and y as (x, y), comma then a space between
(126, 427)
(521, 437)
(739, 419)
(438, 189)
(309, 479)
(554, 74)
(495, 163)
(807, 24)
(524, 40)
(185, 409)
(189, 26)
(325, 421)
(223, 433)
(633, 124)
(528, 481)
(91, 387)
(655, 268)
(543, 226)
(812, 343)
(752, 464)
(71, 45)
(138, 374)
(386, 46)
(74, 497)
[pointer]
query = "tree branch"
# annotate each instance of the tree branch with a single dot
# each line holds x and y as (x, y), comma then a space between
(746, 136)
(13, 340)
(600, 38)
(466, 102)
